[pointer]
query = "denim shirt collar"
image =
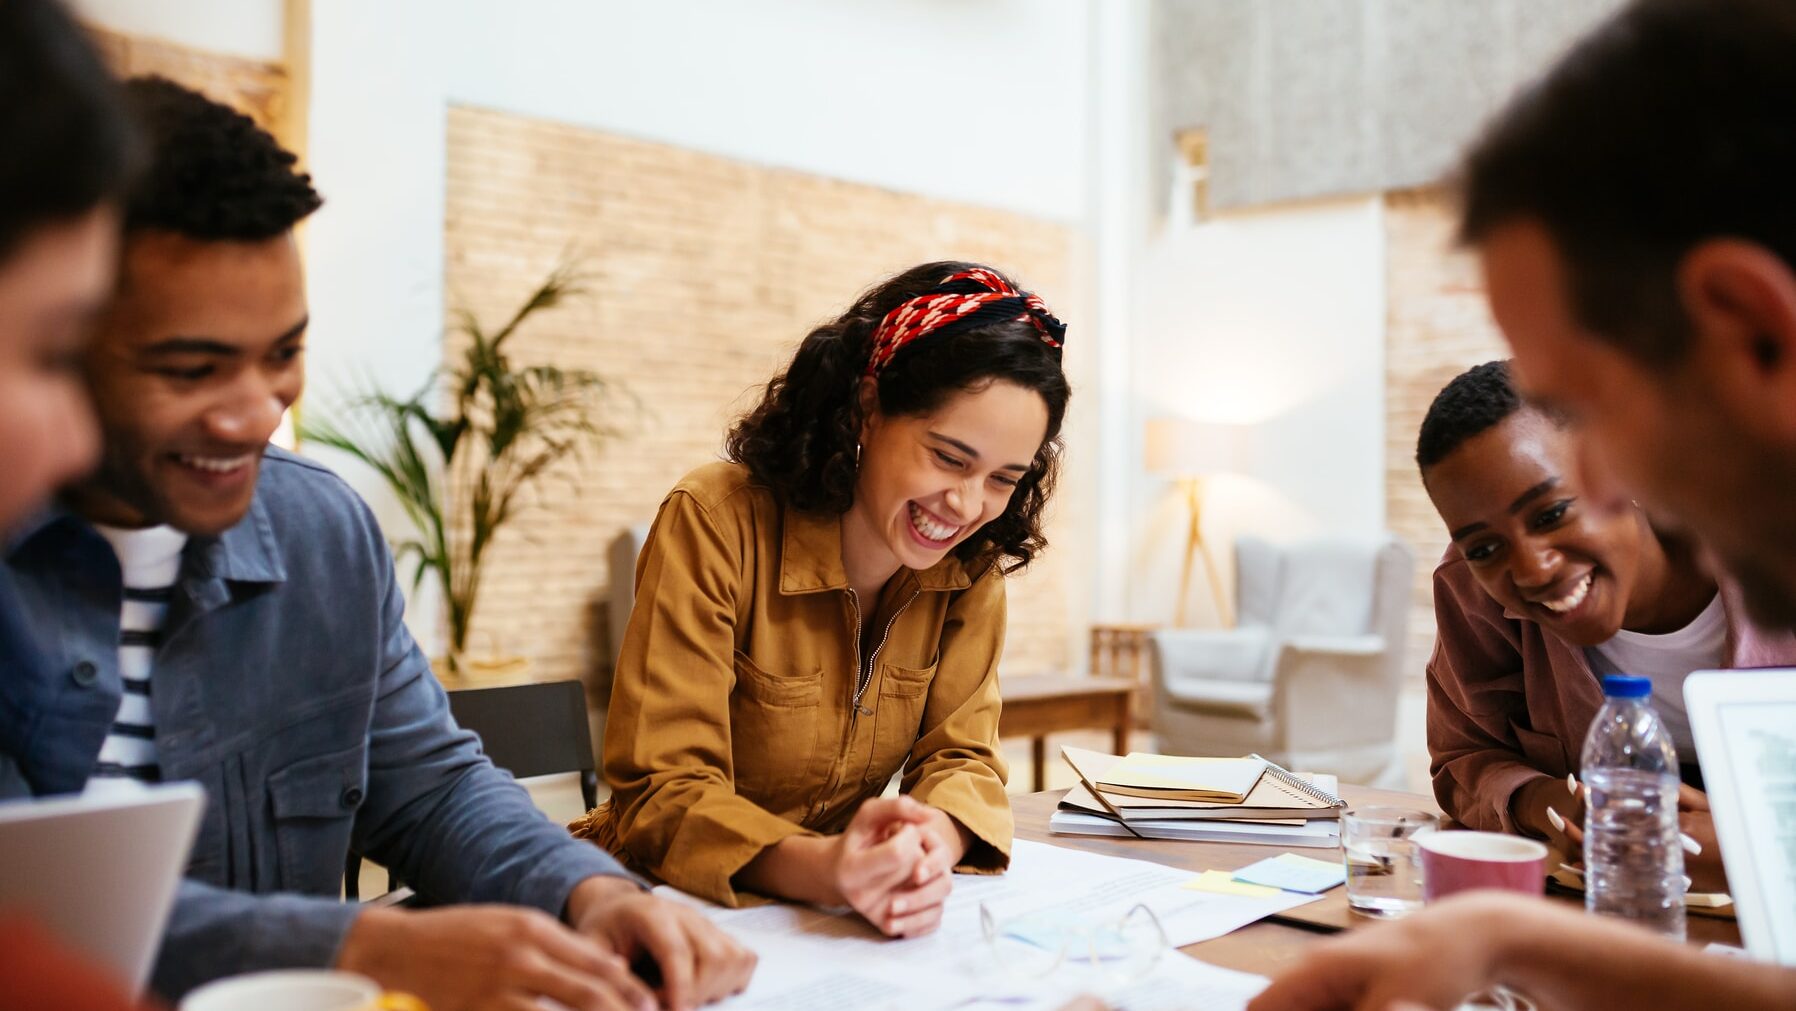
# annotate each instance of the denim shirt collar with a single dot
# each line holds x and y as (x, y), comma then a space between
(245, 553)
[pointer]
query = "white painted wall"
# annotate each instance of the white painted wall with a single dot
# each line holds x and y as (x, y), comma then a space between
(1273, 318)
(249, 28)
(983, 101)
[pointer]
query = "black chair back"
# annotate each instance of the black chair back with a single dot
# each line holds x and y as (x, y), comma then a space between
(527, 730)
(533, 730)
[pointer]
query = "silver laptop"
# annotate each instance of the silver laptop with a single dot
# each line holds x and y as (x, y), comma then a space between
(100, 872)
(1745, 727)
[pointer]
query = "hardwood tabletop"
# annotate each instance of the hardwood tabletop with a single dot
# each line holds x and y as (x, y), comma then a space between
(1275, 943)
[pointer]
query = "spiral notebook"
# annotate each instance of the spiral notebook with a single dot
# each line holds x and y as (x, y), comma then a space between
(1279, 795)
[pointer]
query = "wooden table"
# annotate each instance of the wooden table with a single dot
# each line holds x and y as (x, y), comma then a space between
(1038, 705)
(1273, 944)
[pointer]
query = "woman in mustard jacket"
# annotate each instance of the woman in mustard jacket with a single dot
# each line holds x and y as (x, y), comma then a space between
(827, 608)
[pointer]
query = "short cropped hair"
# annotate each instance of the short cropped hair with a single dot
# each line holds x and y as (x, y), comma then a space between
(1475, 401)
(213, 174)
(1668, 125)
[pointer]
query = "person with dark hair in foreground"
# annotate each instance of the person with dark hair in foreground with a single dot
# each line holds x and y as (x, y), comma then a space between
(1544, 590)
(1651, 301)
(66, 150)
(228, 613)
(827, 608)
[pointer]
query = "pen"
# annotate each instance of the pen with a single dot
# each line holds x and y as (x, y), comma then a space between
(1691, 846)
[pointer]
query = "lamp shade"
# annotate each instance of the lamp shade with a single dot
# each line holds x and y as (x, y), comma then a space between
(1180, 447)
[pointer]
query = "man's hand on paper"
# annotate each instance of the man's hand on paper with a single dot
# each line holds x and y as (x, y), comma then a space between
(697, 963)
(893, 865)
(472, 958)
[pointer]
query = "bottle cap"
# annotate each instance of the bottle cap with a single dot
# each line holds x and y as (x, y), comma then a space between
(1627, 686)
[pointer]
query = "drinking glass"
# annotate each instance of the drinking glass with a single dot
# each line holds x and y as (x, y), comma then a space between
(1384, 868)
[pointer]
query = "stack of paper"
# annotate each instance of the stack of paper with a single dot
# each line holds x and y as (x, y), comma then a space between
(1271, 805)
(819, 960)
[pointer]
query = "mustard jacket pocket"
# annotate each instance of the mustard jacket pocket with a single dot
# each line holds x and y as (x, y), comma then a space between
(897, 717)
(773, 729)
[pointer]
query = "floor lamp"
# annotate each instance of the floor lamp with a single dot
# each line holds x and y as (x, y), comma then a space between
(1190, 451)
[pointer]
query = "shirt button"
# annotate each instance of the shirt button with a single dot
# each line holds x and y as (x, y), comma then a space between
(85, 674)
(352, 796)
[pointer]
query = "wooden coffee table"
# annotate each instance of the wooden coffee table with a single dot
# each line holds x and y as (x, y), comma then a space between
(1038, 705)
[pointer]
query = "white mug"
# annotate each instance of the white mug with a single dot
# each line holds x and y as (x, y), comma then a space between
(298, 990)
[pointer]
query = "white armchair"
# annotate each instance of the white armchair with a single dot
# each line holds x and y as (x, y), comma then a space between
(621, 560)
(1309, 677)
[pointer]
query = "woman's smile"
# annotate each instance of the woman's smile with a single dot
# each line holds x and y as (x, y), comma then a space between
(930, 530)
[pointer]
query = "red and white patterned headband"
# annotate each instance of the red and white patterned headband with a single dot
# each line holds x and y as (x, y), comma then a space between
(964, 300)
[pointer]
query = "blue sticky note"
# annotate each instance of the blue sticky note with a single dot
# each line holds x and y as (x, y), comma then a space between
(1294, 873)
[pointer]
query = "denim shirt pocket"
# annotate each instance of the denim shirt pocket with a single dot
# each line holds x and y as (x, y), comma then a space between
(314, 803)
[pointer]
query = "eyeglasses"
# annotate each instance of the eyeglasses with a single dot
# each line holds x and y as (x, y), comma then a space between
(1033, 946)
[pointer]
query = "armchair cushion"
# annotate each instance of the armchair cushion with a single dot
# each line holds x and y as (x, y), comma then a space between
(1222, 654)
(1327, 586)
(1339, 645)
(1250, 699)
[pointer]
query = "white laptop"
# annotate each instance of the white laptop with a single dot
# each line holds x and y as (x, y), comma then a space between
(100, 871)
(1745, 727)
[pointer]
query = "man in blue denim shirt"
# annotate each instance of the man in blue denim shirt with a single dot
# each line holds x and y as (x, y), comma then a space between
(283, 678)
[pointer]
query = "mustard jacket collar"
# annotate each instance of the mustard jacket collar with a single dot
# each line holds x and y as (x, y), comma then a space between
(811, 557)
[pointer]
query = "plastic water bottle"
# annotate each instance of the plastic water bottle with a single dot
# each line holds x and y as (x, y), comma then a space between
(1633, 857)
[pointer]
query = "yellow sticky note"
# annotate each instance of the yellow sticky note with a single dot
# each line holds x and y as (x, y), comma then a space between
(1224, 883)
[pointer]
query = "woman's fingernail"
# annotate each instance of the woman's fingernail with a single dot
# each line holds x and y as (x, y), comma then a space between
(898, 907)
(1571, 783)
(1558, 822)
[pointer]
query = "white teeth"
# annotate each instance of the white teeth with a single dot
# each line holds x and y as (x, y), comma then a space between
(1570, 601)
(215, 464)
(928, 527)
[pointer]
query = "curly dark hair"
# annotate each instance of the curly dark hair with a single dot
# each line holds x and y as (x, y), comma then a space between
(213, 173)
(1477, 399)
(801, 439)
(66, 144)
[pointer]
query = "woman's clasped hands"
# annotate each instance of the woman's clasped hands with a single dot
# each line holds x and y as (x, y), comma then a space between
(894, 864)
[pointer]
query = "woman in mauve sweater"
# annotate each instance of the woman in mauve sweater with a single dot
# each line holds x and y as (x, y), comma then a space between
(1543, 591)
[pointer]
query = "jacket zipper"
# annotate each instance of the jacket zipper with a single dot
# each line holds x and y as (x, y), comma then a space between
(864, 677)
(866, 673)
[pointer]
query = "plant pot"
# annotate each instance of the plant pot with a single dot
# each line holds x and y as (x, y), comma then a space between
(482, 672)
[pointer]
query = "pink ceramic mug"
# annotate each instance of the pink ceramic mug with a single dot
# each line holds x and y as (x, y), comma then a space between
(1454, 862)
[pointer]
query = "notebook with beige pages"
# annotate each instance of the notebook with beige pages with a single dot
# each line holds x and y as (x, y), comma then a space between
(1278, 795)
(1181, 777)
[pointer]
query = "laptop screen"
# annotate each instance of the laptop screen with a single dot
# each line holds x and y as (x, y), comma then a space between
(1745, 727)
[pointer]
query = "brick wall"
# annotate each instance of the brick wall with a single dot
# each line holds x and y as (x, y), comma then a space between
(260, 90)
(705, 272)
(1438, 325)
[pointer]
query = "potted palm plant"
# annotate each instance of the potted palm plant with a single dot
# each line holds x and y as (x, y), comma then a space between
(461, 453)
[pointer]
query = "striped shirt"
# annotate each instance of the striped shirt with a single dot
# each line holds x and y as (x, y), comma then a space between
(151, 563)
